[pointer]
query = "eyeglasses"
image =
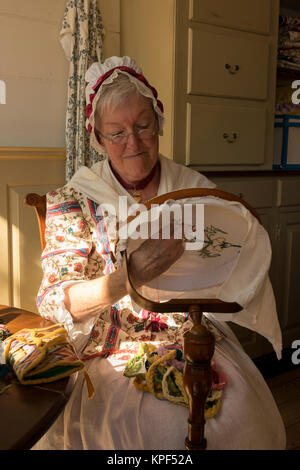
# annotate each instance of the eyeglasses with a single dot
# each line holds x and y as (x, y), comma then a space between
(121, 138)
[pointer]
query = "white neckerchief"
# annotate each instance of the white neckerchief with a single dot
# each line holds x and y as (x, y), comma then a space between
(99, 183)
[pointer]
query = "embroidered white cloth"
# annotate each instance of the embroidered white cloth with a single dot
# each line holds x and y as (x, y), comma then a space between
(232, 266)
(120, 416)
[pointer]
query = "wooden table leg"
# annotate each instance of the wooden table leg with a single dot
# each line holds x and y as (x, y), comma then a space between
(199, 346)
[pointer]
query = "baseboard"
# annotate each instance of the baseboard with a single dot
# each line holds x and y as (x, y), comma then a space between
(270, 366)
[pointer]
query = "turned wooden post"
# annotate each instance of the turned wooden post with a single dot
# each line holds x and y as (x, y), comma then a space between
(199, 346)
(40, 205)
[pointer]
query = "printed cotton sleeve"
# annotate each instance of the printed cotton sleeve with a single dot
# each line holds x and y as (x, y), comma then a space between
(65, 258)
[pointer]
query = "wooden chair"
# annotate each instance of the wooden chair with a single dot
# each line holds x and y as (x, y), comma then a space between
(198, 342)
(39, 204)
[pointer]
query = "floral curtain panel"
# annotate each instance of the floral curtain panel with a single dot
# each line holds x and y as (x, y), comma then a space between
(81, 37)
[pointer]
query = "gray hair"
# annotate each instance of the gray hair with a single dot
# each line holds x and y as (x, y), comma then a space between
(115, 94)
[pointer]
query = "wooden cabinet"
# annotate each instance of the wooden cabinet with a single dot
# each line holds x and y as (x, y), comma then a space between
(214, 66)
(287, 229)
(227, 63)
(248, 16)
(225, 132)
(277, 201)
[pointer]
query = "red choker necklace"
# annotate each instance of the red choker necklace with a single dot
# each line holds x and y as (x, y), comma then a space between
(140, 185)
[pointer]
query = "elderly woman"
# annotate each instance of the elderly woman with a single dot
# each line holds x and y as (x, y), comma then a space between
(84, 286)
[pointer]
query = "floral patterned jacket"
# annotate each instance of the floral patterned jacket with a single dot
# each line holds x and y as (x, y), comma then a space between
(78, 249)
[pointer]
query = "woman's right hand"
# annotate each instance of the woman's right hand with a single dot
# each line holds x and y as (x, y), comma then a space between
(153, 258)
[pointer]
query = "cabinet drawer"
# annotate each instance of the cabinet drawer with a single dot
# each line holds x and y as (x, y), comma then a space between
(225, 134)
(227, 63)
(289, 192)
(259, 193)
(248, 16)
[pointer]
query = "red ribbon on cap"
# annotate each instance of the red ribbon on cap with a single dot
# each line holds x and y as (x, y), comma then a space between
(107, 74)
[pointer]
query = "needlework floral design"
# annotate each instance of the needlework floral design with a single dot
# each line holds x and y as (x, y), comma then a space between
(215, 240)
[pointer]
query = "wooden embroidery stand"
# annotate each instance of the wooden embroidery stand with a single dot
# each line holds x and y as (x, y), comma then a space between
(199, 343)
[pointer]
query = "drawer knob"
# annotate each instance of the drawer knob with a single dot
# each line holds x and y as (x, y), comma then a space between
(232, 69)
(230, 138)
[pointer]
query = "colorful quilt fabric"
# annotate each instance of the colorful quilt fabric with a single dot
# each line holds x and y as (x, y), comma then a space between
(41, 355)
(4, 332)
(288, 58)
(159, 370)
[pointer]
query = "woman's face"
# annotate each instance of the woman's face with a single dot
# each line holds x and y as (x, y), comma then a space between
(133, 160)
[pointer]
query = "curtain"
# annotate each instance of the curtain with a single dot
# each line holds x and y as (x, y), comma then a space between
(81, 37)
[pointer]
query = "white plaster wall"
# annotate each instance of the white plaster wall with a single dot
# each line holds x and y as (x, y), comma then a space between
(110, 11)
(35, 69)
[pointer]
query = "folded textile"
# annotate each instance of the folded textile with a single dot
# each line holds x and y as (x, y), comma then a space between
(4, 332)
(286, 64)
(291, 23)
(4, 369)
(42, 355)
(288, 43)
(287, 108)
(294, 35)
(290, 55)
(160, 372)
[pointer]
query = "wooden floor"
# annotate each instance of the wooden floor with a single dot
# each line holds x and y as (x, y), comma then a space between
(286, 391)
